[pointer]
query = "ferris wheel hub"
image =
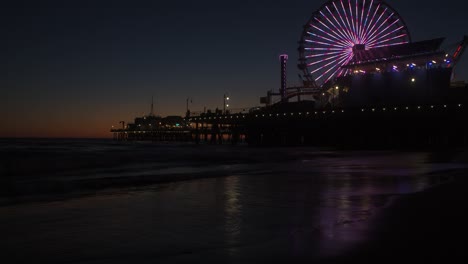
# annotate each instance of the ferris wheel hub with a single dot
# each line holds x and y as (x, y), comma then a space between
(359, 47)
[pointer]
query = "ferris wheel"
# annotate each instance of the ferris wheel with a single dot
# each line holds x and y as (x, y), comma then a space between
(340, 29)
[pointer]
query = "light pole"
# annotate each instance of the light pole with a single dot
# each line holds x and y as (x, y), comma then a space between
(334, 95)
(225, 103)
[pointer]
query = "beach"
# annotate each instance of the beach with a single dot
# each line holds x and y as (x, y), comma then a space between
(75, 201)
(428, 226)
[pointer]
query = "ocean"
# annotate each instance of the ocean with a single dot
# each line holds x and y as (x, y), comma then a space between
(101, 201)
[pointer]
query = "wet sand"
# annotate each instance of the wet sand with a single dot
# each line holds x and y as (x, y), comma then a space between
(162, 204)
(425, 226)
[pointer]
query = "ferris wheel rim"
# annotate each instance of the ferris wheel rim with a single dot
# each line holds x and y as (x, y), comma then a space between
(336, 46)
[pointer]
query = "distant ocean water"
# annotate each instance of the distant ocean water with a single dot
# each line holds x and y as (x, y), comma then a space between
(102, 201)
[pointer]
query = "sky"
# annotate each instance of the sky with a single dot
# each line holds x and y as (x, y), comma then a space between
(75, 68)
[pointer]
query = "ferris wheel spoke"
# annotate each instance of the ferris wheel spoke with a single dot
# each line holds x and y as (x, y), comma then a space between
(352, 20)
(340, 73)
(322, 49)
(347, 20)
(338, 30)
(372, 19)
(379, 34)
(379, 38)
(392, 38)
(361, 26)
(351, 15)
(323, 31)
(337, 71)
(327, 44)
(324, 60)
(339, 60)
(376, 22)
(323, 38)
(368, 13)
(377, 31)
(328, 64)
(327, 41)
(342, 26)
(340, 37)
(358, 25)
(345, 25)
(339, 64)
(392, 44)
(322, 54)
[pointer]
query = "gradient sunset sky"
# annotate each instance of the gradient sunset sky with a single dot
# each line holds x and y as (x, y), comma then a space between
(75, 68)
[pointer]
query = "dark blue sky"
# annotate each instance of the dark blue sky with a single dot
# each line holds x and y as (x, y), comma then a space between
(74, 68)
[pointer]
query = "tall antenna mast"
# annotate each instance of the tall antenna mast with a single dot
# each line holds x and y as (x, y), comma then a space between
(152, 107)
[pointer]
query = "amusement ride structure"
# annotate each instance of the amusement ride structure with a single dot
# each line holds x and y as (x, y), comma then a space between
(355, 37)
(364, 83)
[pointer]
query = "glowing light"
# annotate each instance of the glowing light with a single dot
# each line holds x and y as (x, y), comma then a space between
(413, 79)
(338, 27)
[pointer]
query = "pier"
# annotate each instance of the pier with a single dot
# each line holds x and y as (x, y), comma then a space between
(398, 126)
(380, 89)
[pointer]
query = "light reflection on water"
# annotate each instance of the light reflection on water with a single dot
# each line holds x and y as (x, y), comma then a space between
(233, 212)
(302, 208)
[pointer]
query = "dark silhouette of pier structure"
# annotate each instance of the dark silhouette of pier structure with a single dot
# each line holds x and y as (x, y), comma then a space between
(394, 96)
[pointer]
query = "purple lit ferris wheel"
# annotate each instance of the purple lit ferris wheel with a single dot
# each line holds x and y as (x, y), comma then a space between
(340, 29)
